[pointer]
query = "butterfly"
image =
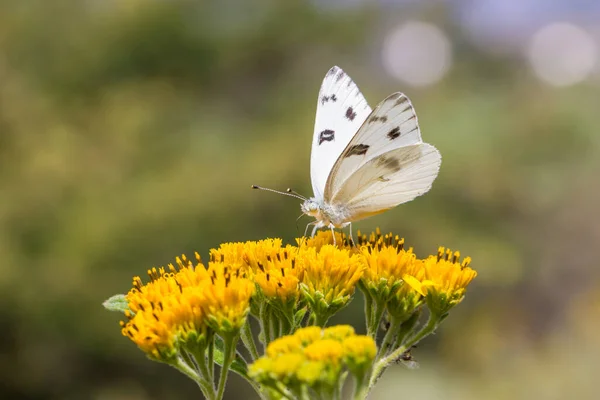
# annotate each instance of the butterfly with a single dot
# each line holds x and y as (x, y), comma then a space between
(363, 161)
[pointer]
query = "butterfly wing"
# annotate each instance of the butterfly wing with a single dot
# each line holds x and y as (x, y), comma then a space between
(341, 110)
(392, 125)
(390, 179)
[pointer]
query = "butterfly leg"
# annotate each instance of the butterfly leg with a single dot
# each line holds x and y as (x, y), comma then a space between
(309, 224)
(314, 230)
(351, 238)
(332, 233)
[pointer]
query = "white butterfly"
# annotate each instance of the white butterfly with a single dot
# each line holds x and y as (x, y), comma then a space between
(364, 162)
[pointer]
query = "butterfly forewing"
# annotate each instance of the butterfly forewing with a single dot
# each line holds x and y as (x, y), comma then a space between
(341, 110)
(392, 125)
(390, 179)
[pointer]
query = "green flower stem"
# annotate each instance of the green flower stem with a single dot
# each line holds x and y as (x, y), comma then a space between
(321, 319)
(200, 361)
(407, 327)
(265, 324)
(285, 392)
(311, 320)
(273, 325)
(287, 322)
(368, 305)
(210, 359)
(376, 314)
(255, 386)
(279, 328)
(304, 395)
(229, 341)
(206, 387)
(190, 361)
(368, 309)
(382, 364)
(248, 340)
(388, 338)
(360, 389)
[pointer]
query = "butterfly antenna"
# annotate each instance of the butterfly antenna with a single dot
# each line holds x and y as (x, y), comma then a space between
(288, 192)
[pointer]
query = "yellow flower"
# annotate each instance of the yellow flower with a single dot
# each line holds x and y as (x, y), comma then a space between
(226, 297)
(309, 334)
(279, 277)
(361, 348)
(263, 250)
(388, 263)
(155, 338)
(165, 310)
(310, 372)
(285, 366)
(330, 276)
(230, 253)
(261, 368)
(285, 344)
(359, 353)
(322, 238)
(338, 332)
(444, 280)
(271, 266)
(326, 350)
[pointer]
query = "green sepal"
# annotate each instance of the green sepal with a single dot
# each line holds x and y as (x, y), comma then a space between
(118, 302)
(341, 382)
(299, 316)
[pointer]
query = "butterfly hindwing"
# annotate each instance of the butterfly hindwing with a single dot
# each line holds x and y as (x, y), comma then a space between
(392, 125)
(341, 110)
(390, 179)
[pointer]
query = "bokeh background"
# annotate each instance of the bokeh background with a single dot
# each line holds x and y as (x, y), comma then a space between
(131, 131)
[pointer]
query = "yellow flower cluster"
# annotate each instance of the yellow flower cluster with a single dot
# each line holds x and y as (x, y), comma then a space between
(270, 265)
(183, 304)
(322, 274)
(313, 358)
(330, 276)
(445, 279)
(180, 305)
(388, 264)
(399, 279)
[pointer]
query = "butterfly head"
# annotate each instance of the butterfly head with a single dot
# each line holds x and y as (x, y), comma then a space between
(311, 207)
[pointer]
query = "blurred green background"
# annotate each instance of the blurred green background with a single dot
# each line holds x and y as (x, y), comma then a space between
(131, 131)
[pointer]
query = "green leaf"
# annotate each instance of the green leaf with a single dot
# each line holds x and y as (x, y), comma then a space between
(118, 302)
(299, 316)
(238, 365)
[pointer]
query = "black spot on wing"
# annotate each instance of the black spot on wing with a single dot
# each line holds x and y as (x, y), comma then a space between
(394, 133)
(332, 71)
(393, 96)
(389, 163)
(350, 114)
(357, 150)
(375, 118)
(325, 99)
(340, 76)
(326, 136)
